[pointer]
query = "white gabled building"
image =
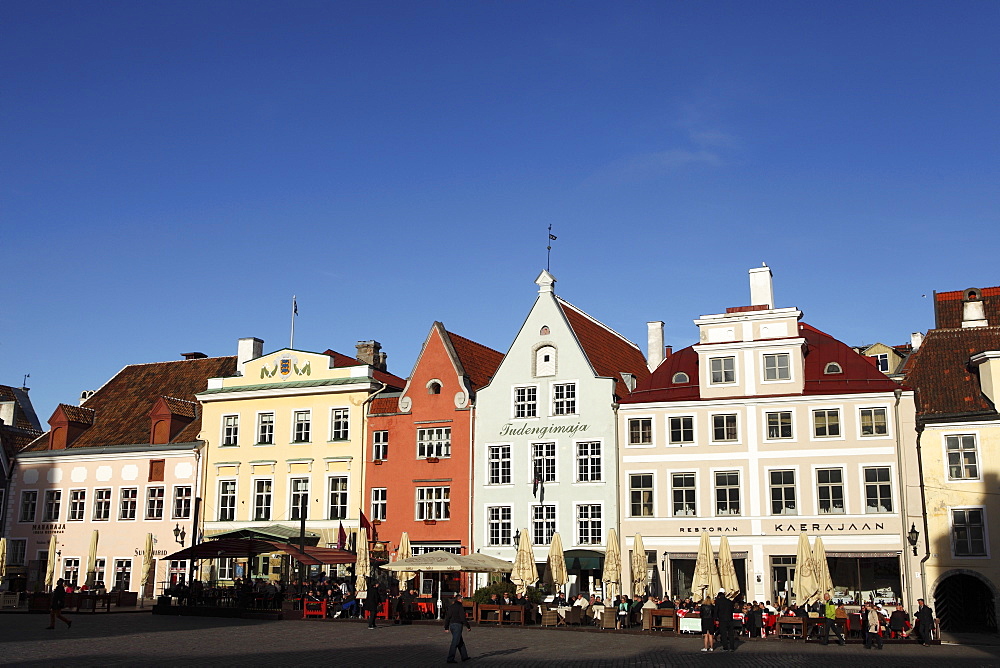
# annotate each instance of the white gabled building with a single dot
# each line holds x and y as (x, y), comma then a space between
(545, 437)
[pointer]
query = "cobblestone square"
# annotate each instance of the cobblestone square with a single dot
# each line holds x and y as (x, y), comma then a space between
(134, 639)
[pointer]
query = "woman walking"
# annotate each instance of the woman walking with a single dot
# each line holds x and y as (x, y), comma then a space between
(56, 604)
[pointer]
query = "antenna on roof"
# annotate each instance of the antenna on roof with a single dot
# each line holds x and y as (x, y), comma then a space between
(295, 312)
(548, 249)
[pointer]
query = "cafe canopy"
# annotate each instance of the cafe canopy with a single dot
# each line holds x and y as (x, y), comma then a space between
(251, 547)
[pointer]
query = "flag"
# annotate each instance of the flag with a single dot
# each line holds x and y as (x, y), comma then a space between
(552, 237)
(366, 525)
(295, 306)
(535, 484)
(341, 537)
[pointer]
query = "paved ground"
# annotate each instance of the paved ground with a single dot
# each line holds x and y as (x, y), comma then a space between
(129, 640)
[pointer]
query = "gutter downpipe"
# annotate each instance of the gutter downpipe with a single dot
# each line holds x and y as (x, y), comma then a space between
(923, 505)
(903, 478)
(364, 451)
(473, 578)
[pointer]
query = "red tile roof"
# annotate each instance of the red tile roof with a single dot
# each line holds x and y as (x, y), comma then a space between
(859, 374)
(948, 307)
(181, 407)
(382, 405)
(609, 352)
(479, 362)
(121, 407)
(77, 414)
(23, 412)
(342, 360)
(940, 373)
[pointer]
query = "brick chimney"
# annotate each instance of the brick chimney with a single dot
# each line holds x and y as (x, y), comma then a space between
(370, 353)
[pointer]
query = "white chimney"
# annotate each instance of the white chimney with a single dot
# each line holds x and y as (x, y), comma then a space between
(974, 314)
(916, 338)
(654, 345)
(248, 349)
(761, 289)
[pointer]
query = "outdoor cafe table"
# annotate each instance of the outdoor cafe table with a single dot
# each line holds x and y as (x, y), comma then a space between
(690, 622)
(500, 614)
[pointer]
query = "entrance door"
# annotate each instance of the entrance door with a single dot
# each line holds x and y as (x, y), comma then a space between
(965, 603)
(782, 577)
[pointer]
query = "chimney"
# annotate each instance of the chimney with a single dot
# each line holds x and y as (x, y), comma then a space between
(973, 309)
(248, 349)
(194, 356)
(654, 344)
(761, 289)
(370, 353)
(916, 338)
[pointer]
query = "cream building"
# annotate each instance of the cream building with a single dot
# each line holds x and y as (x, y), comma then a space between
(764, 429)
(286, 434)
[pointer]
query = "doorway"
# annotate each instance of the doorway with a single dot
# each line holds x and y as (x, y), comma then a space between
(965, 603)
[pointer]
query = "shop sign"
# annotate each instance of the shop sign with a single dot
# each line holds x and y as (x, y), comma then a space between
(731, 529)
(540, 431)
(48, 528)
(156, 553)
(817, 527)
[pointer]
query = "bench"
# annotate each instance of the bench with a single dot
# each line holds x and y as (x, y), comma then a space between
(655, 619)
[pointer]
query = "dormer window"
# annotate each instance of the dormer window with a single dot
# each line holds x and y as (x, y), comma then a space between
(680, 377)
(545, 361)
(433, 387)
(833, 367)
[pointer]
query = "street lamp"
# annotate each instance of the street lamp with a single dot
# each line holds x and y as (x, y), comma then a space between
(911, 536)
(179, 534)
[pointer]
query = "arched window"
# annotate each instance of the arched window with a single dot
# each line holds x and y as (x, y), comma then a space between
(433, 387)
(680, 377)
(545, 361)
(833, 367)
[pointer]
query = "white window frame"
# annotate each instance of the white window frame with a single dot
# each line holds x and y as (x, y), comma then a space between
(888, 427)
(434, 442)
(881, 358)
(547, 540)
(235, 496)
(17, 551)
(56, 497)
(891, 483)
(77, 506)
(380, 445)
(711, 428)
(946, 459)
(98, 502)
(545, 458)
(529, 406)
(502, 524)
(174, 498)
(260, 427)
(741, 478)
(433, 503)
(118, 567)
(121, 504)
(229, 436)
(840, 421)
(296, 412)
(628, 431)
(763, 367)
(795, 487)
(951, 532)
(340, 427)
(255, 516)
(71, 570)
(149, 499)
(379, 503)
(845, 494)
(597, 535)
(495, 464)
(589, 460)
(690, 472)
(652, 491)
(670, 431)
(722, 370)
(342, 494)
(21, 505)
(295, 496)
(768, 412)
(561, 406)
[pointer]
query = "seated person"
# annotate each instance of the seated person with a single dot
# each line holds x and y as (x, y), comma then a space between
(899, 620)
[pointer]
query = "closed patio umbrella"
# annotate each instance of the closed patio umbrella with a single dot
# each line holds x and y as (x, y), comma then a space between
(3, 558)
(727, 570)
(50, 565)
(639, 571)
(404, 552)
(557, 562)
(806, 584)
(147, 564)
(440, 561)
(92, 560)
(824, 581)
(706, 582)
(363, 567)
(612, 575)
(525, 573)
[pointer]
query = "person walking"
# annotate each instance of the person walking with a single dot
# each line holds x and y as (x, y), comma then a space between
(456, 622)
(872, 621)
(707, 613)
(56, 604)
(373, 599)
(828, 617)
(924, 619)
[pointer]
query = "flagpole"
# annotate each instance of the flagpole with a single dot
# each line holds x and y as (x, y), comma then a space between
(548, 250)
(295, 312)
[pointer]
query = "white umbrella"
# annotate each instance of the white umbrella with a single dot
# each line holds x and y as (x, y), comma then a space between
(824, 581)
(806, 585)
(557, 562)
(3, 558)
(525, 573)
(92, 560)
(727, 571)
(404, 552)
(612, 575)
(363, 567)
(441, 561)
(706, 581)
(639, 571)
(50, 566)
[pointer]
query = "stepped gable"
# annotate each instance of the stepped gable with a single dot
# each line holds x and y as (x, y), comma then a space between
(940, 373)
(479, 362)
(948, 309)
(859, 374)
(120, 409)
(610, 354)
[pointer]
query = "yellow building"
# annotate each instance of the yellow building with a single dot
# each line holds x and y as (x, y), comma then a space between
(287, 433)
(956, 376)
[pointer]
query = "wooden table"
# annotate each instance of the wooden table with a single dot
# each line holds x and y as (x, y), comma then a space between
(500, 614)
(790, 627)
(660, 619)
(94, 601)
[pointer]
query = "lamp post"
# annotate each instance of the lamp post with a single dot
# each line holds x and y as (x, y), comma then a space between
(179, 534)
(911, 537)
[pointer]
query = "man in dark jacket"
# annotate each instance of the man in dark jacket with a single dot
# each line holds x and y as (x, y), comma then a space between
(727, 625)
(924, 618)
(455, 622)
(372, 601)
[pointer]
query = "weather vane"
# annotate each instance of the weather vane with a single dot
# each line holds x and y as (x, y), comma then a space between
(548, 249)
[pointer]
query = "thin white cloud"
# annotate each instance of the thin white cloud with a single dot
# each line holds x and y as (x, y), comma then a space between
(645, 166)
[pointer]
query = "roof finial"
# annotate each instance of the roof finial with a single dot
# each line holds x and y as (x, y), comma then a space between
(548, 249)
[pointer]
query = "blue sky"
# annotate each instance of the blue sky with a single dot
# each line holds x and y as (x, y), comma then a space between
(174, 172)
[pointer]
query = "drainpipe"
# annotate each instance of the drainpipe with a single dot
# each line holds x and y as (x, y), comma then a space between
(923, 506)
(618, 504)
(472, 491)
(898, 393)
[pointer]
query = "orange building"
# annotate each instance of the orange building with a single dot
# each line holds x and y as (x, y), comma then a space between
(419, 449)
